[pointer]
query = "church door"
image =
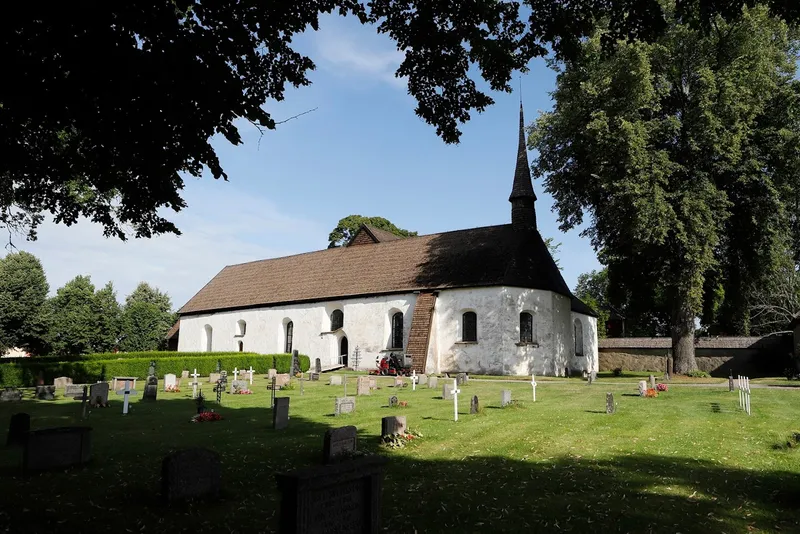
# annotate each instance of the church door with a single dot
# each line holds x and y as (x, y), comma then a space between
(343, 350)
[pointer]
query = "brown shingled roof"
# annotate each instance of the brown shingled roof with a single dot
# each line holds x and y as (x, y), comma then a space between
(489, 256)
(382, 236)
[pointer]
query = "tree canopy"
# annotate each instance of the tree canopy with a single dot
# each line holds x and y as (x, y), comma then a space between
(23, 293)
(114, 103)
(683, 152)
(146, 318)
(347, 227)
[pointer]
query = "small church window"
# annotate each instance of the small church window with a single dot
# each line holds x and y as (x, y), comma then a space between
(337, 320)
(289, 335)
(578, 337)
(241, 347)
(469, 326)
(241, 327)
(397, 331)
(525, 327)
(208, 337)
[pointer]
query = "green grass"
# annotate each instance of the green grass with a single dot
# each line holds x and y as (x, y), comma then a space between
(687, 461)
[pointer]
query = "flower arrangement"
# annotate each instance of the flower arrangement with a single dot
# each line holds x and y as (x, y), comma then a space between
(651, 393)
(404, 404)
(206, 416)
(242, 391)
(398, 441)
(172, 389)
(661, 387)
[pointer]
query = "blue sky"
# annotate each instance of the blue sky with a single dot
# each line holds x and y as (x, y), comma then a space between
(362, 151)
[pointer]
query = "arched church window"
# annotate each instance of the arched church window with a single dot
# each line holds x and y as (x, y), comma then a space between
(337, 320)
(241, 327)
(525, 327)
(287, 348)
(241, 347)
(208, 337)
(397, 331)
(578, 337)
(469, 326)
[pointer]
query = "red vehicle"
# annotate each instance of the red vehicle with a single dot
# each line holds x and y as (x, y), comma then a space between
(391, 365)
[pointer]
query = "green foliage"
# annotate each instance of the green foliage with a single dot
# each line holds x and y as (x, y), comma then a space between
(74, 323)
(146, 319)
(697, 373)
(107, 314)
(23, 372)
(349, 226)
(23, 293)
(665, 144)
(552, 248)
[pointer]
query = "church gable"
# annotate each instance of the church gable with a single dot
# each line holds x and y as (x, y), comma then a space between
(369, 235)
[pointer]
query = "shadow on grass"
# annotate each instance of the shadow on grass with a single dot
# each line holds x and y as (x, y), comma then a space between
(626, 493)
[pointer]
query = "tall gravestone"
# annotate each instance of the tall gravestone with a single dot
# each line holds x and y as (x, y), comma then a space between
(18, 429)
(190, 474)
(151, 386)
(343, 497)
(280, 413)
(610, 406)
(433, 382)
(505, 397)
(447, 391)
(318, 366)
(474, 407)
(363, 385)
(344, 405)
(98, 394)
(393, 424)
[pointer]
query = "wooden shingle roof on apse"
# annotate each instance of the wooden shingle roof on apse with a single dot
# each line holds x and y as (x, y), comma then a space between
(477, 257)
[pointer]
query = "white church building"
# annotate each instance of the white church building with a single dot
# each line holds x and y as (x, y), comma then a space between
(483, 300)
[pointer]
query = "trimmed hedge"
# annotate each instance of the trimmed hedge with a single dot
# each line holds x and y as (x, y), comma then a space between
(25, 374)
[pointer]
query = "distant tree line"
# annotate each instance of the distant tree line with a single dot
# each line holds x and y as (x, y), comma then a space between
(80, 318)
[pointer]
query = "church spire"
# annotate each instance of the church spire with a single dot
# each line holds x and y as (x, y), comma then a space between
(523, 209)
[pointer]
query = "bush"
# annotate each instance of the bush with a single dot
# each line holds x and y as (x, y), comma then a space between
(697, 373)
(283, 363)
(25, 373)
(618, 371)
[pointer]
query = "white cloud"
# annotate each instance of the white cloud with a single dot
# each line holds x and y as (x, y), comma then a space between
(221, 226)
(358, 53)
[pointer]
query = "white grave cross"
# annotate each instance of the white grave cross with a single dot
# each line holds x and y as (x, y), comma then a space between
(127, 392)
(414, 379)
(194, 383)
(251, 374)
(533, 385)
(235, 374)
(456, 391)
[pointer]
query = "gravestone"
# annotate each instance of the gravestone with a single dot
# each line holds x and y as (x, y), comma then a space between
(447, 391)
(423, 379)
(642, 388)
(339, 442)
(341, 497)
(238, 385)
(271, 373)
(373, 383)
(336, 380)
(170, 381)
(213, 378)
(190, 474)
(151, 388)
(730, 382)
(344, 405)
(399, 382)
(295, 363)
(474, 407)
(318, 366)
(54, 448)
(314, 377)
(610, 406)
(652, 382)
(18, 429)
(461, 379)
(393, 424)
(505, 397)
(184, 374)
(98, 394)
(433, 382)
(393, 401)
(73, 391)
(280, 413)
(282, 379)
(589, 378)
(10, 395)
(363, 385)
(45, 392)
(62, 382)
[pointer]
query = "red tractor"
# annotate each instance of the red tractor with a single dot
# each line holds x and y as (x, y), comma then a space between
(392, 365)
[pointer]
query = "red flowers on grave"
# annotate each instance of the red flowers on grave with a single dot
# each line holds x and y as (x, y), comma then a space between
(242, 391)
(651, 393)
(661, 387)
(206, 416)
(172, 389)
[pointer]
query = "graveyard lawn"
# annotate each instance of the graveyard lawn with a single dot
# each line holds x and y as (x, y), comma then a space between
(686, 461)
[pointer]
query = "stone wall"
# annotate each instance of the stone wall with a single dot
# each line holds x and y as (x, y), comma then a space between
(752, 356)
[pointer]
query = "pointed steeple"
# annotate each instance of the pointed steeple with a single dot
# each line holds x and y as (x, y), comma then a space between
(523, 209)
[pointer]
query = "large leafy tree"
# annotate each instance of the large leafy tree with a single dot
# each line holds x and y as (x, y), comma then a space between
(23, 295)
(146, 318)
(661, 143)
(112, 103)
(74, 320)
(347, 227)
(108, 316)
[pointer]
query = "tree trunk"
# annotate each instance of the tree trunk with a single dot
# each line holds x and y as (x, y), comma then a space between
(682, 336)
